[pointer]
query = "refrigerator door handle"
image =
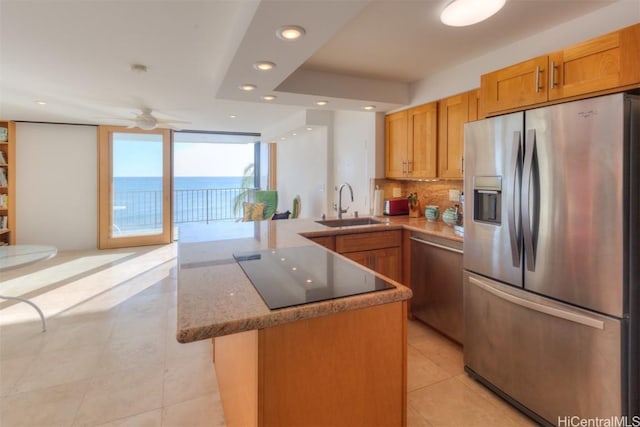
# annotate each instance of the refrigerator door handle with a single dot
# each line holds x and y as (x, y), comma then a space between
(527, 175)
(514, 234)
(541, 308)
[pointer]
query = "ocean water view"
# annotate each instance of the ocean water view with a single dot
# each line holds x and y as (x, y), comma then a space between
(154, 183)
(138, 201)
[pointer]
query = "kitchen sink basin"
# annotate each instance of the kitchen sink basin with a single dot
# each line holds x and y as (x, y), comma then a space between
(349, 222)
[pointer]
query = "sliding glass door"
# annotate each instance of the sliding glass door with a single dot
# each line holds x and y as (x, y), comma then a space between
(135, 187)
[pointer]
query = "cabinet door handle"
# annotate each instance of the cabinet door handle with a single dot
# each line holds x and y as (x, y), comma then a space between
(410, 166)
(552, 75)
(537, 79)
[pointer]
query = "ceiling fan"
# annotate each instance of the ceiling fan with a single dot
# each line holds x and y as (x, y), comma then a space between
(147, 121)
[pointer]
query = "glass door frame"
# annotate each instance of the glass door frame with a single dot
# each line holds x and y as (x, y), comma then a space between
(105, 190)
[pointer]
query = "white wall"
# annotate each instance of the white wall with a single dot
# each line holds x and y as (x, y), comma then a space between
(302, 170)
(56, 185)
(354, 160)
(466, 76)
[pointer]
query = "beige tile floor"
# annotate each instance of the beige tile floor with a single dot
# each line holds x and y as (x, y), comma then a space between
(109, 356)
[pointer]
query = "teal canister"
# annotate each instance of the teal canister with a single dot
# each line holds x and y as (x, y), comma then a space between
(431, 213)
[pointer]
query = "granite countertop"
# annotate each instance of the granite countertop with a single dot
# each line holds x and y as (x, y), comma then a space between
(215, 297)
(419, 225)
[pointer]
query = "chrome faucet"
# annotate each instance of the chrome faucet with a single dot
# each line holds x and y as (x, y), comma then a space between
(340, 210)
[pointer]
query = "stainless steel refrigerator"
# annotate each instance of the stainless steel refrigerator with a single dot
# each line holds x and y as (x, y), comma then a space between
(551, 258)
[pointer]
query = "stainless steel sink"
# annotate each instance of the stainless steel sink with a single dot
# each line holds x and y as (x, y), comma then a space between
(349, 222)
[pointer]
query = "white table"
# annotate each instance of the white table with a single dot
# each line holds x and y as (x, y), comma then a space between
(16, 256)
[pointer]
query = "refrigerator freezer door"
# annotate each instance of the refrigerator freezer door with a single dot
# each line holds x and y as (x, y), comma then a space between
(574, 371)
(493, 157)
(573, 206)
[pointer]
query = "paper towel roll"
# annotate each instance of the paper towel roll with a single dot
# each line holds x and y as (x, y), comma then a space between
(378, 202)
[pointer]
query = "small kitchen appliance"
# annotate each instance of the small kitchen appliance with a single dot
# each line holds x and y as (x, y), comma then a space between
(396, 206)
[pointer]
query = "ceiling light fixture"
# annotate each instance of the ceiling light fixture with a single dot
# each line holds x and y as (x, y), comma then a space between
(290, 32)
(309, 128)
(232, 116)
(248, 87)
(370, 107)
(460, 13)
(268, 97)
(39, 102)
(264, 65)
(322, 103)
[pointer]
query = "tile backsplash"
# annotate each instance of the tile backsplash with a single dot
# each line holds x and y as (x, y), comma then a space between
(429, 192)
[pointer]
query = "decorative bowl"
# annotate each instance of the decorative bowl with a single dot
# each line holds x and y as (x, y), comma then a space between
(451, 216)
(431, 213)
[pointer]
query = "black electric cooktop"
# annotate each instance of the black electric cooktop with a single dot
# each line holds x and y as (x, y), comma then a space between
(293, 276)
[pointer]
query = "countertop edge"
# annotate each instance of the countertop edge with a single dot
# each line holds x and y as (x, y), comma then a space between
(189, 331)
(292, 314)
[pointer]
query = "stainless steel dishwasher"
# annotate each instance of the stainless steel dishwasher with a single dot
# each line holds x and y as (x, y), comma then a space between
(436, 282)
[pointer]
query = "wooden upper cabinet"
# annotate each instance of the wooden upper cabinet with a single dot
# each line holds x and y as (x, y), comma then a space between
(395, 128)
(515, 86)
(453, 114)
(606, 62)
(423, 140)
(476, 111)
(411, 142)
(601, 65)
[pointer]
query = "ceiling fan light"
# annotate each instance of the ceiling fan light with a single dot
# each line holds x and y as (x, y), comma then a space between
(145, 123)
(460, 13)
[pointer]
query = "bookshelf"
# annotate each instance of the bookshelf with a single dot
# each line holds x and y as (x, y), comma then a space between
(7, 183)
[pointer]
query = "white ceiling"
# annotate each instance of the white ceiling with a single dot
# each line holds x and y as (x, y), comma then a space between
(76, 55)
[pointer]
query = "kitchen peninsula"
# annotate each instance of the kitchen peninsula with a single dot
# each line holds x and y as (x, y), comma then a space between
(337, 361)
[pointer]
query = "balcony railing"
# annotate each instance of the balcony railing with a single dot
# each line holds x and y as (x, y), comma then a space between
(136, 210)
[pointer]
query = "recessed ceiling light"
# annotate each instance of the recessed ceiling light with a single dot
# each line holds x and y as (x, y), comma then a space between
(232, 116)
(264, 65)
(321, 103)
(247, 87)
(294, 134)
(282, 138)
(370, 107)
(269, 97)
(290, 32)
(41, 102)
(460, 13)
(309, 128)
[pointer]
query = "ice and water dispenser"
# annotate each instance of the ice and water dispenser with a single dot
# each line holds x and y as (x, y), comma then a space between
(487, 199)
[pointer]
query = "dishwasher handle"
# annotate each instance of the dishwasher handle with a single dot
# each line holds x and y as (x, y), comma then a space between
(426, 242)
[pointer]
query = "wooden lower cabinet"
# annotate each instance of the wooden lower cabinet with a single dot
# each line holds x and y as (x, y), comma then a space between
(345, 369)
(380, 251)
(387, 262)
